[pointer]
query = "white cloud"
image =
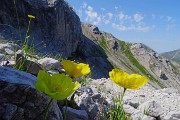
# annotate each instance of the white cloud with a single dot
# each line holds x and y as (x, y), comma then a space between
(80, 13)
(110, 15)
(139, 27)
(84, 5)
(107, 17)
(103, 9)
(170, 23)
(161, 17)
(91, 14)
(123, 16)
(118, 20)
(115, 7)
(153, 16)
(106, 21)
(97, 21)
(169, 18)
(138, 17)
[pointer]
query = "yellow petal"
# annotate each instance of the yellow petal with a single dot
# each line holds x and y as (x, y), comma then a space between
(125, 80)
(31, 16)
(74, 69)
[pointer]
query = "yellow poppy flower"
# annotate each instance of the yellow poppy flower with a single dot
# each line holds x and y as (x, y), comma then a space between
(31, 16)
(74, 69)
(133, 81)
(57, 86)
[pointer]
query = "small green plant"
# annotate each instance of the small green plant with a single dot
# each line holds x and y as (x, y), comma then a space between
(21, 63)
(116, 111)
(146, 111)
(85, 79)
(25, 46)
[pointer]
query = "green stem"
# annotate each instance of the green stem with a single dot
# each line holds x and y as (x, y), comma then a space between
(46, 110)
(65, 109)
(122, 95)
(25, 45)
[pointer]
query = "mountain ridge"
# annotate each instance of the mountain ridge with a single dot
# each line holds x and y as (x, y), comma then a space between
(135, 58)
(172, 55)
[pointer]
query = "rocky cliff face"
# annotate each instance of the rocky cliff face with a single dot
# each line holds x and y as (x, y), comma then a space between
(56, 24)
(166, 72)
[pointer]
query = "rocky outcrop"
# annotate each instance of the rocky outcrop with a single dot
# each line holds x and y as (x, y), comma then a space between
(20, 101)
(56, 25)
(166, 72)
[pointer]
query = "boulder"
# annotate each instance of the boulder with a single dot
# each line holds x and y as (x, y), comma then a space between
(50, 63)
(151, 108)
(173, 115)
(92, 103)
(132, 102)
(73, 114)
(8, 48)
(19, 100)
(14, 76)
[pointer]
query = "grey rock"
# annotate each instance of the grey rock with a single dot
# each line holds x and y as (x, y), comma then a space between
(2, 57)
(92, 103)
(52, 71)
(8, 63)
(136, 114)
(9, 51)
(151, 108)
(132, 102)
(73, 114)
(22, 102)
(50, 63)
(173, 115)
(9, 111)
(86, 103)
(129, 109)
(169, 90)
(11, 75)
(8, 48)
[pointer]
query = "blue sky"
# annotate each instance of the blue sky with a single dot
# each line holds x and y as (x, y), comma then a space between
(155, 23)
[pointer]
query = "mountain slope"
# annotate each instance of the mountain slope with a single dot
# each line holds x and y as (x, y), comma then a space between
(173, 55)
(136, 58)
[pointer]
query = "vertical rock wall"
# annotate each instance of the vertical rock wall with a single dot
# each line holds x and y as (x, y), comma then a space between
(56, 25)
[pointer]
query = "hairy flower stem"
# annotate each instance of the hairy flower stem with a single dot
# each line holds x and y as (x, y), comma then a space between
(46, 110)
(122, 95)
(25, 45)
